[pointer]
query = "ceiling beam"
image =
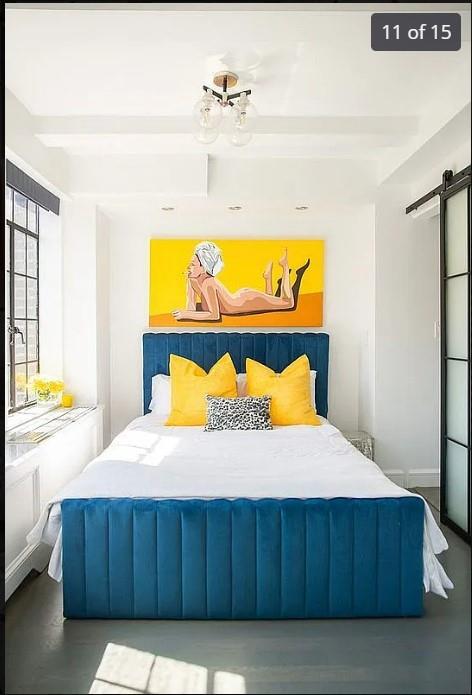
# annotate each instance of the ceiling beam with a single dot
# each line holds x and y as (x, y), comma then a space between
(283, 125)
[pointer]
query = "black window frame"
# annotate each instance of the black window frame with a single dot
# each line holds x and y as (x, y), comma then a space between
(446, 193)
(12, 319)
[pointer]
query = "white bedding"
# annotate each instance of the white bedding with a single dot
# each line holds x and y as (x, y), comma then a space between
(150, 460)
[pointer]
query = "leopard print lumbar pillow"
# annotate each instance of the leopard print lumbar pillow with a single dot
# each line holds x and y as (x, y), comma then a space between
(246, 413)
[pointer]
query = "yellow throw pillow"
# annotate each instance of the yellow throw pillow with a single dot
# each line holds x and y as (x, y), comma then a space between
(290, 391)
(190, 385)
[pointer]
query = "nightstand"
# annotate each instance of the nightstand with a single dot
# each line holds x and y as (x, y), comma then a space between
(362, 441)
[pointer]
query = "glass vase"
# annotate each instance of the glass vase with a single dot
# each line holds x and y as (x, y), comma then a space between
(47, 399)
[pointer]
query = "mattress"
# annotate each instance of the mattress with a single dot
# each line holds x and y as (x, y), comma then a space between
(150, 460)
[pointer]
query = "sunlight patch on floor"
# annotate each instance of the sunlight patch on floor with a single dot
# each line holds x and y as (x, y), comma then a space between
(126, 670)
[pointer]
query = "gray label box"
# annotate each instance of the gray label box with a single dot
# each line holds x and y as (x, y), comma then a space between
(415, 31)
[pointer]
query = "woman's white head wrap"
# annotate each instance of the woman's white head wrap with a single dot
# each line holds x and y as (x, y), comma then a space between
(209, 256)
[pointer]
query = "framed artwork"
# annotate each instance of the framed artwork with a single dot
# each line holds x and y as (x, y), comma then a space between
(236, 282)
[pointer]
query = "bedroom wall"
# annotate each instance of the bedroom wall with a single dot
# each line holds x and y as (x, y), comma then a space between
(407, 344)
(86, 333)
(349, 293)
(103, 320)
(80, 299)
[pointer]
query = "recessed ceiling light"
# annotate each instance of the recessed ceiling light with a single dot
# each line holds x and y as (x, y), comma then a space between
(166, 209)
(235, 207)
(301, 207)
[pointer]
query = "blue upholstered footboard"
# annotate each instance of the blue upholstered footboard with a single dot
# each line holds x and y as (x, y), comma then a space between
(242, 559)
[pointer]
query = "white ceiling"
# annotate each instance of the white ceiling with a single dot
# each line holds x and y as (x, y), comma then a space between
(122, 78)
(63, 62)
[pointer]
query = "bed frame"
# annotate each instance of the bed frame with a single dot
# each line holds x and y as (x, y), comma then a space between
(242, 559)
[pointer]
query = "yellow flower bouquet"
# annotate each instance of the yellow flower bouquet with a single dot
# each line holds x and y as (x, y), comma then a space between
(48, 391)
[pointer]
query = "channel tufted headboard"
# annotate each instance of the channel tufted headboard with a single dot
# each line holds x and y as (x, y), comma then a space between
(276, 350)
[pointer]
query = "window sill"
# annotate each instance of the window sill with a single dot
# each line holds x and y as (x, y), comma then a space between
(22, 417)
(27, 435)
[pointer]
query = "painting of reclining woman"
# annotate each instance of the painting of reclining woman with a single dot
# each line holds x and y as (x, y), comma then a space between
(236, 282)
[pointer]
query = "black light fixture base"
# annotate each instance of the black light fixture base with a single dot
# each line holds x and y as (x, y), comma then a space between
(225, 80)
(229, 97)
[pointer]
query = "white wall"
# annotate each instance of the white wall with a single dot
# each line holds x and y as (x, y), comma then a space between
(79, 287)
(103, 321)
(86, 329)
(349, 294)
(406, 346)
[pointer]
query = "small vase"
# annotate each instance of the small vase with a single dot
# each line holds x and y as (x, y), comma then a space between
(47, 399)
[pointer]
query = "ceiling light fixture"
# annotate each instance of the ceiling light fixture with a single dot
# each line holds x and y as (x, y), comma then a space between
(211, 114)
(235, 207)
(301, 207)
(166, 209)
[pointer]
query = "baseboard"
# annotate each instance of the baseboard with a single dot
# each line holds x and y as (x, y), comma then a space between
(34, 557)
(397, 476)
(423, 477)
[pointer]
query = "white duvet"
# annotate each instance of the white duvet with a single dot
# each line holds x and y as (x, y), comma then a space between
(150, 460)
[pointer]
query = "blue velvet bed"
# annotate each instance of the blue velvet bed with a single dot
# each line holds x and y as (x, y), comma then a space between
(242, 559)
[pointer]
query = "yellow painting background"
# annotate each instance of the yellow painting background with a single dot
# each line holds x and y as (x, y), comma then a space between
(244, 262)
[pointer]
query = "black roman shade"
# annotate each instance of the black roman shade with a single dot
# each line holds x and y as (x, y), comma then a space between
(24, 184)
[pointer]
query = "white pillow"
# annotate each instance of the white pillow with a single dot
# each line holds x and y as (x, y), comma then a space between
(160, 400)
(313, 387)
(241, 384)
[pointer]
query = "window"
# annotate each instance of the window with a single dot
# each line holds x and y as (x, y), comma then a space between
(22, 295)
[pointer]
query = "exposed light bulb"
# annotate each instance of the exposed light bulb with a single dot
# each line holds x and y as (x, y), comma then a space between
(241, 121)
(207, 112)
(206, 135)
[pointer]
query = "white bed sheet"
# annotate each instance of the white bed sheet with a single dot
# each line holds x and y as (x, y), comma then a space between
(151, 460)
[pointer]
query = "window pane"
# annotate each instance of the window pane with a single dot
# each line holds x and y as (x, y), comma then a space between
(25, 309)
(32, 340)
(8, 203)
(20, 297)
(32, 304)
(7, 294)
(32, 370)
(31, 257)
(20, 347)
(456, 400)
(7, 344)
(19, 209)
(7, 387)
(456, 317)
(456, 484)
(20, 383)
(456, 233)
(32, 215)
(20, 252)
(7, 246)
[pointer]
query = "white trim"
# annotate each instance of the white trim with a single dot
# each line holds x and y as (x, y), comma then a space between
(423, 477)
(397, 476)
(33, 557)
